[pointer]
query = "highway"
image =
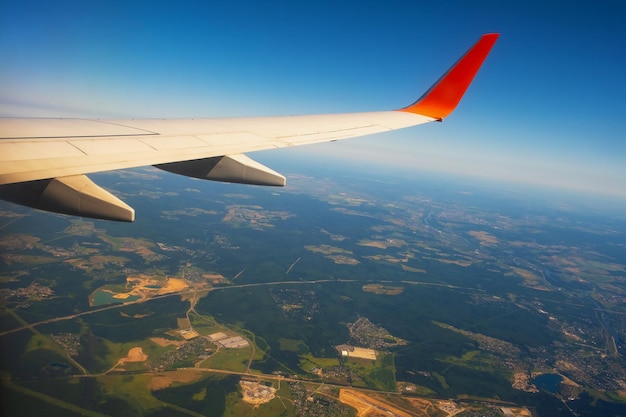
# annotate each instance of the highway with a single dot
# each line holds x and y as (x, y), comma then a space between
(187, 292)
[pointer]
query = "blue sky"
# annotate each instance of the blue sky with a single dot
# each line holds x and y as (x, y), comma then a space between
(546, 108)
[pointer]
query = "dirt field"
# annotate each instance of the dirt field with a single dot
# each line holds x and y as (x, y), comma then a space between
(120, 296)
(147, 286)
(515, 411)
(134, 355)
(369, 406)
(173, 285)
(255, 393)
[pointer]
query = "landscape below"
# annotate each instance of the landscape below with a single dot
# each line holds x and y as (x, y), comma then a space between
(340, 296)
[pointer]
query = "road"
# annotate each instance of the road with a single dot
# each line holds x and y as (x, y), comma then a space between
(189, 292)
(194, 292)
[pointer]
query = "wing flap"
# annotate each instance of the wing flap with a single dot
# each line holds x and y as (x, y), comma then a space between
(111, 146)
(236, 138)
(160, 143)
(14, 152)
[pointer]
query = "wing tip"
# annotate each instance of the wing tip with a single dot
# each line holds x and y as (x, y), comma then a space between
(442, 97)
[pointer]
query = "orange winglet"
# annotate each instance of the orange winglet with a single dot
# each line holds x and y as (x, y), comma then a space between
(442, 98)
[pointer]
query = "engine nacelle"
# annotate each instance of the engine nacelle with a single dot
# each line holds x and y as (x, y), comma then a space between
(76, 195)
(228, 168)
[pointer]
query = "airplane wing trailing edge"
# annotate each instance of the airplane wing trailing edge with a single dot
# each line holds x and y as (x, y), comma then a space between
(43, 162)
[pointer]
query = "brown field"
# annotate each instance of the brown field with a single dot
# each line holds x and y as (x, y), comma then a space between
(484, 237)
(450, 261)
(337, 255)
(229, 216)
(343, 260)
(165, 342)
(327, 249)
(530, 278)
(134, 316)
(387, 258)
(383, 289)
(389, 243)
(410, 269)
(369, 406)
(373, 244)
(215, 278)
(164, 380)
(105, 259)
(526, 274)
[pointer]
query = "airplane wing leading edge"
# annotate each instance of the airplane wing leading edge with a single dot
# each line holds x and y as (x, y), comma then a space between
(43, 162)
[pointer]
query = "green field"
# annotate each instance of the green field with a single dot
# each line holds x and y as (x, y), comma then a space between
(379, 374)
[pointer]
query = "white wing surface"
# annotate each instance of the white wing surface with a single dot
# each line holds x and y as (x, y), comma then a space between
(43, 162)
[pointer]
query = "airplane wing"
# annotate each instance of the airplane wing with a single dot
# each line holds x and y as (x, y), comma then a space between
(43, 162)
